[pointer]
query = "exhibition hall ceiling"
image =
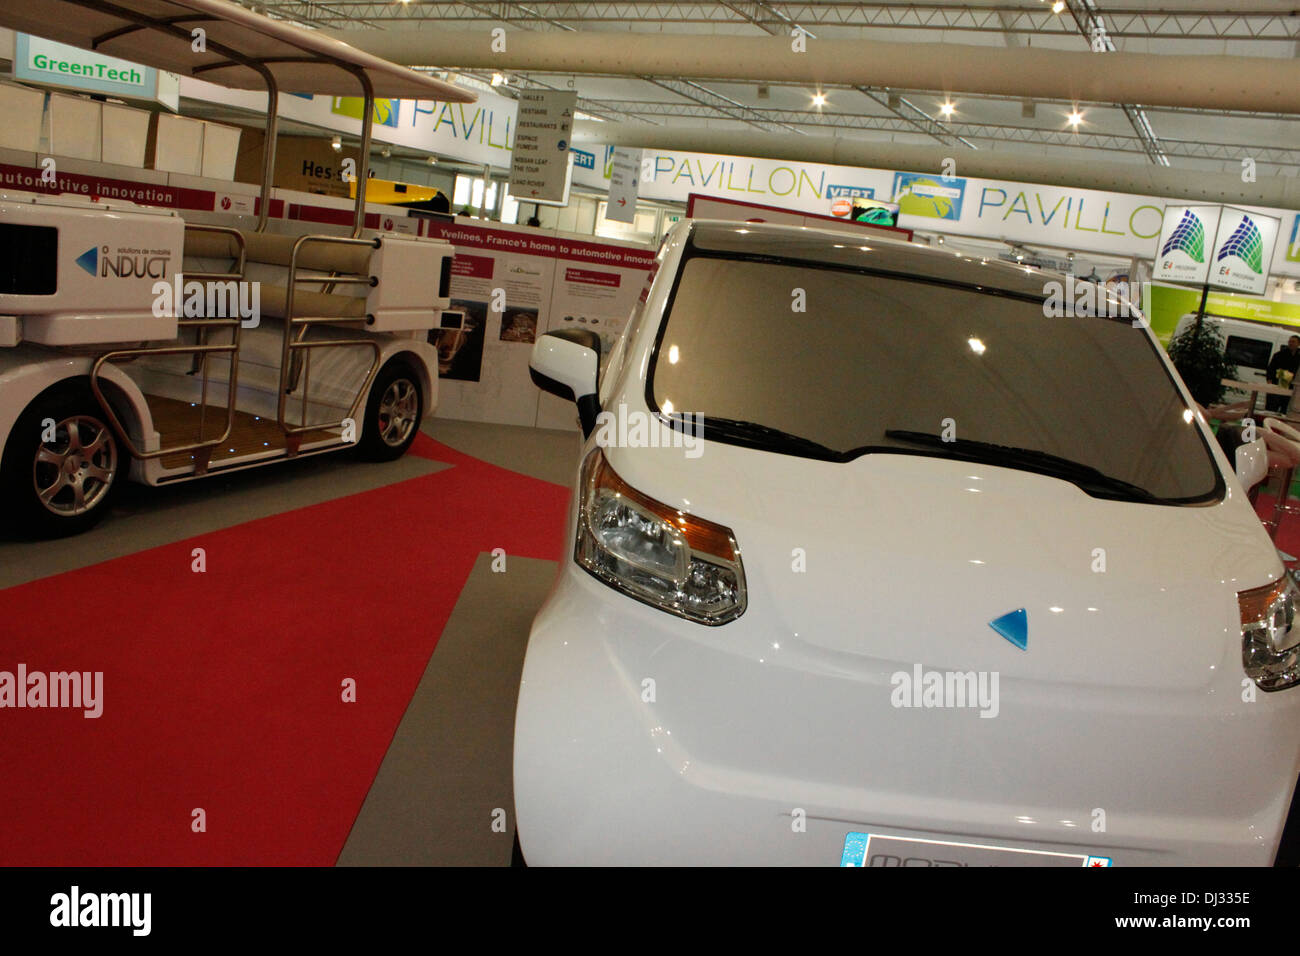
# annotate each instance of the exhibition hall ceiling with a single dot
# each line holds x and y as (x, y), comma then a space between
(1179, 137)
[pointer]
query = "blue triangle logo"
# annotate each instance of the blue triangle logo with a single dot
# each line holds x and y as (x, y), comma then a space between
(1014, 626)
(89, 260)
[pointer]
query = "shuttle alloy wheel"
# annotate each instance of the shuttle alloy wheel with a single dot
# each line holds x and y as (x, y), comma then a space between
(61, 463)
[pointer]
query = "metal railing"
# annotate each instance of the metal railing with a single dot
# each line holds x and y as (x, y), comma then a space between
(200, 350)
(292, 345)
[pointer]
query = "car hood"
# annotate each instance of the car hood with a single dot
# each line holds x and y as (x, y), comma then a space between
(898, 560)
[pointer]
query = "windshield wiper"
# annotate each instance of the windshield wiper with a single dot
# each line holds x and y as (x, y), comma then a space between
(762, 437)
(1085, 476)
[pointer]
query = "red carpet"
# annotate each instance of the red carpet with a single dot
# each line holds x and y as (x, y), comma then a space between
(222, 690)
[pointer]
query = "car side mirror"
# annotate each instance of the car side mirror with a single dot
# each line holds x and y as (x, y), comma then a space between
(1252, 463)
(567, 363)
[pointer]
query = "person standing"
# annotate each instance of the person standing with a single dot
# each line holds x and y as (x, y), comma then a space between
(1286, 360)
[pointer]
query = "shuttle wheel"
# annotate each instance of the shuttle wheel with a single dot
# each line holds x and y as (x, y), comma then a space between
(61, 463)
(393, 413)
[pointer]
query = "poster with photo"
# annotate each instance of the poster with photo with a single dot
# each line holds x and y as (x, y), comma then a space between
(459, 341)
(519, 325)
(514, 283)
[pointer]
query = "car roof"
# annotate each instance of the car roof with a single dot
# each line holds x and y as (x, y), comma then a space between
(865, 249)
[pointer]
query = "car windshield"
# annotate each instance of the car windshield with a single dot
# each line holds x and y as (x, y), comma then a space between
(834, 363)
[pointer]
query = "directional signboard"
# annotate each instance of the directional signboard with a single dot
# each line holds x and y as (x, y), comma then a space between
(622, 185)
(539, 168)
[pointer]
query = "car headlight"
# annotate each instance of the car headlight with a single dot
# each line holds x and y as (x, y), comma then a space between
(672, 560)
(1270, 639)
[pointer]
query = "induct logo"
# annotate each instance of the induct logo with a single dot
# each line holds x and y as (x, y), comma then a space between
(105, 910)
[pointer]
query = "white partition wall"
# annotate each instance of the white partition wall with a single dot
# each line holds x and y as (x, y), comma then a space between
(75, 129)
(125, 134)
(195, 147)
(220, 148)
(82, 128)
(23, 111)
(178, 144)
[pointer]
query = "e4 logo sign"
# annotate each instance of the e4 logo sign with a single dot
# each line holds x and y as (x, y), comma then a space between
(1246, 244)
(1188, 237)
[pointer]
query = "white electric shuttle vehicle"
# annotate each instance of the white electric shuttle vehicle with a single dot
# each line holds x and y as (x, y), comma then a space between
(947, 582)
(122, 351)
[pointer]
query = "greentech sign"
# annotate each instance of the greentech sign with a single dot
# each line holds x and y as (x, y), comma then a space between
(37, 60)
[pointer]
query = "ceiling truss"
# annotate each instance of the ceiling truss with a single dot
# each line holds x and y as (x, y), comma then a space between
(1024, 19)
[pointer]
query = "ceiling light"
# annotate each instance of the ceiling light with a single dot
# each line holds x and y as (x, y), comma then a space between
(433, 160)
(499, 79)
(336, 143)
(1058, 6)
(947, 108)
(1075, 117)
(819, 99)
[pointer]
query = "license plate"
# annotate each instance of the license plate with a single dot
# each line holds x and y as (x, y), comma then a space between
(878, 849)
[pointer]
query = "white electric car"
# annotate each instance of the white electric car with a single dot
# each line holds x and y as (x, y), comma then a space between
(947, 582)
